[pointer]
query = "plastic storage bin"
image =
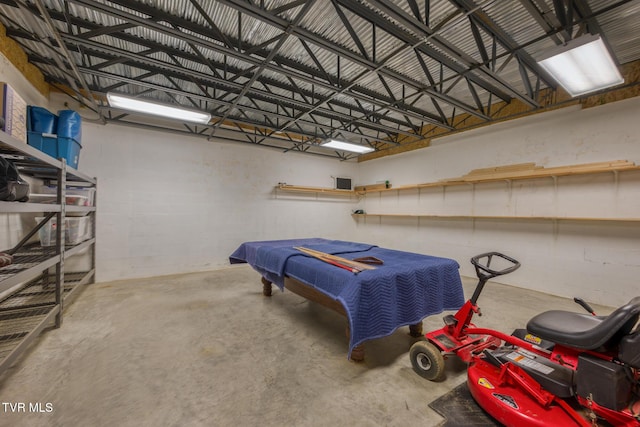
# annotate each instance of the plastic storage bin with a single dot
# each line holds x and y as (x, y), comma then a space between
(41, 120)
(56, 147)
(47, 234)
(77, 230)
(45, 142)
(70, 125)
(75, 195)
(69, 149)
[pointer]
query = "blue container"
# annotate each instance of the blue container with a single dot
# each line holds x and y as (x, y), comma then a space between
(69, 149)
(46, 143)
(41, 120)
(56, 147)
(70, 125)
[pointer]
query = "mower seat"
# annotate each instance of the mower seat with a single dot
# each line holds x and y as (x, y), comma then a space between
(584, 331)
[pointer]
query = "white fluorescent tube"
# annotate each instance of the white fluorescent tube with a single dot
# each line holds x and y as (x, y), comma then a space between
(582, 66)
(347, 146)
(150, 107)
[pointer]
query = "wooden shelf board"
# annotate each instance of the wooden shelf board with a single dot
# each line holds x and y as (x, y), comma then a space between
(520, 172)
(503, 217)
(302, 189)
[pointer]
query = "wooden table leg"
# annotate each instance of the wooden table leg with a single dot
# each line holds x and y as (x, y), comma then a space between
(357, 354)
(416, 330)
(266, 287)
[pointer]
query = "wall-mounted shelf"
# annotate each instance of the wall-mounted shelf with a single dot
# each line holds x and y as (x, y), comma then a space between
(497, 217)
(507, 174)
(520, 172)
(315, 190)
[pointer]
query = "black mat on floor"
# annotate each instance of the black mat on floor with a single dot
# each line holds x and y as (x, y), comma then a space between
(459, 409)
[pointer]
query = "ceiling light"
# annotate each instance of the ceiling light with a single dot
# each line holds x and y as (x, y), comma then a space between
(155, 108)
(347, 146)
(582, 65)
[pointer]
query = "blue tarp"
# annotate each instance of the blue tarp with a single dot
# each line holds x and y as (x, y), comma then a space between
(404, 290)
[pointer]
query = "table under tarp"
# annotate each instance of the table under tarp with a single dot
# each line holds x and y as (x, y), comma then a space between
(402, 291)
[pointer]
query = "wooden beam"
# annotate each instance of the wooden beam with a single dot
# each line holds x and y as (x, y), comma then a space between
(14, 53)
(549, 100)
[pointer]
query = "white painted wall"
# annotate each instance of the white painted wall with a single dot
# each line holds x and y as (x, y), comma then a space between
(599, 261)
(172, 204)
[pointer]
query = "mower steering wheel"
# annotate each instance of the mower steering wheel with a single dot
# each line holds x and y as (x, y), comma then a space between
(483, 270)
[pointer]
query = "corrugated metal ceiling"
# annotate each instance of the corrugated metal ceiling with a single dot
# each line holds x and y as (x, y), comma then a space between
(291, 73)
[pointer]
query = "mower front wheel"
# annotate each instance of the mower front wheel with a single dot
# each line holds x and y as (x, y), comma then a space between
(427, 360)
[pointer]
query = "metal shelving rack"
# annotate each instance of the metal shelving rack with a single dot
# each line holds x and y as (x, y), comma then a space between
(34, 289)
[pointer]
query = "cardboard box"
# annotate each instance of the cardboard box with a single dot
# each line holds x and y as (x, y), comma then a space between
(13, 109)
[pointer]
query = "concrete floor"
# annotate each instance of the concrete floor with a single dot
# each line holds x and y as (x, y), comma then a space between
(207, 349)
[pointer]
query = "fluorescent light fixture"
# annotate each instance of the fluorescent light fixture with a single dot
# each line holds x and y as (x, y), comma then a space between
(581, 66)
(346, 146)
(155, 108)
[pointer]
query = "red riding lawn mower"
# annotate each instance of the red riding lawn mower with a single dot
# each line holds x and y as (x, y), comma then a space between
(564, 369)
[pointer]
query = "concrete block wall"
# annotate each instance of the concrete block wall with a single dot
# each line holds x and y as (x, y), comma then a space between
(171, 204)
(597, 260)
